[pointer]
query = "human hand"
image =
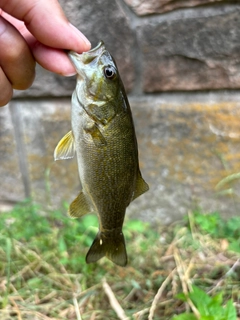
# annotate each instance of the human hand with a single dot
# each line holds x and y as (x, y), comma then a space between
(34, 31)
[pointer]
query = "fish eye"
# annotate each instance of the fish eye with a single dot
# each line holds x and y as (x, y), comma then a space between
(109, 72)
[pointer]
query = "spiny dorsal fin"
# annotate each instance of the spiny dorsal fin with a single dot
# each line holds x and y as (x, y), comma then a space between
(141, 186)
(79, 206)
(65, 148)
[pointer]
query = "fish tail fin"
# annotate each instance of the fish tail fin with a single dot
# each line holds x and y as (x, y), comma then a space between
(110, 244)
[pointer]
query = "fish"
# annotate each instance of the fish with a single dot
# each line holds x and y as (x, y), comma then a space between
(104, 141)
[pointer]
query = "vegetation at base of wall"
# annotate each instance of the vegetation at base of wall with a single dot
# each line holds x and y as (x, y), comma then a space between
(188, 270)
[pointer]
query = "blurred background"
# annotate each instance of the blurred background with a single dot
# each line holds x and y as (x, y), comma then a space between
(180, 64)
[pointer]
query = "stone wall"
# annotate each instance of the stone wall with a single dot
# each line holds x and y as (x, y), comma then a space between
(179, 61)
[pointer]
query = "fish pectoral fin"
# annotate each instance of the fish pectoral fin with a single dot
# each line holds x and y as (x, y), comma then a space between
(98, 139)
(112, 246)
(100, 112)
(65, 148)
(97, 136)
(79, 206)
(141, 186)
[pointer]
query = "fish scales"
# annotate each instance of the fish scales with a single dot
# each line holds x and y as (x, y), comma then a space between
(103, 137)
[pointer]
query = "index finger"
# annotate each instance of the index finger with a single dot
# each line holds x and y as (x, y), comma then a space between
(48, 23)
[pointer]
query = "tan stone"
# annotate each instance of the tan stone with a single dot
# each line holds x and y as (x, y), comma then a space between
(11, 186)
(187, 144)
(44, 123)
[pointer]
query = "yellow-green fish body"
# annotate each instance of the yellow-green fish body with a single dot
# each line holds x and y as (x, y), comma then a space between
(103, 137)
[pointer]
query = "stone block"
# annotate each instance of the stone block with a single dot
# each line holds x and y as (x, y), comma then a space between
(12, 187)
(98, 20)
(187, 144)
(194, 53)
(44, 123)
(145, 7)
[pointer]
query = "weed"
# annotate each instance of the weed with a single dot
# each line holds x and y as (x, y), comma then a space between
(206, 307)
(43, 274)
(213, 225)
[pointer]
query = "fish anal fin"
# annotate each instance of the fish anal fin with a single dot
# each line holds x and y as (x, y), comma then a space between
(65, 148)
(141, 186)
(109, 244)
(79, 206)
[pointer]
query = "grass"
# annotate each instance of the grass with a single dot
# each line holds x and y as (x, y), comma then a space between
(189, 270)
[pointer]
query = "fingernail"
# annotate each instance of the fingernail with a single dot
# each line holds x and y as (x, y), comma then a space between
(82, 36)
(70, 74)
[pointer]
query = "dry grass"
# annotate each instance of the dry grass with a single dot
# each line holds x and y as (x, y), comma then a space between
(38, 284)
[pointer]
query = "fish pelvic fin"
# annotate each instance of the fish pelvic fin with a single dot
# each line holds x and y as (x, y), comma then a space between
(110, 244)
(65, 148)
(79, 206)
(141, 186)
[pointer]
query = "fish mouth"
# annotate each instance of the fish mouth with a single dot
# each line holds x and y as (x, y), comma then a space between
(79, 60)
(99, 45)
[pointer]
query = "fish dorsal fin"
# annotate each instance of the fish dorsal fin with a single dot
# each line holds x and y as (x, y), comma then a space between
(65, 148)
(79, 206)
(141, 186)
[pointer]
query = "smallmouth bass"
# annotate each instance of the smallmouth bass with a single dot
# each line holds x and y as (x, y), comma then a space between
(104, 140)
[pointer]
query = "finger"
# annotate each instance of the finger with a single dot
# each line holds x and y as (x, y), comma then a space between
(54, 60)
(16, 59)
(6, 89)
(47, 22)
